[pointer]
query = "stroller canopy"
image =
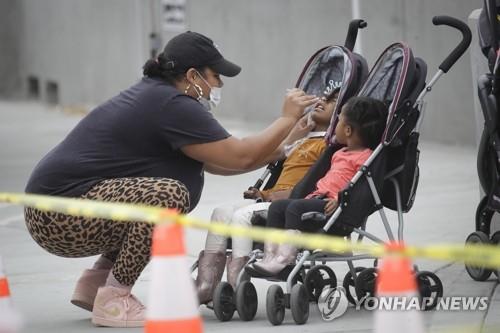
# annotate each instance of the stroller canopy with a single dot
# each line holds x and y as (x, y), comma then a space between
(396, 79)
(331, 68)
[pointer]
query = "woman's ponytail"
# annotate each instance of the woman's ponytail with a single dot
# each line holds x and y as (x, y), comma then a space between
(160, 68)
(152, 69)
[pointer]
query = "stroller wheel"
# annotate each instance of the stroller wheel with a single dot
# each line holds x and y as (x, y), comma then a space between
(483, 216)
(275, 304)
(246, 300)
(430, 289)
(476, 272)
(350, 285)
(317, 278)
(223, 301)
(365, 285)
(299, 304)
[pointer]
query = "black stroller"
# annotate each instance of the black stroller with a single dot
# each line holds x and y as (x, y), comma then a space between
(388, 178)
(330, 68)
(488, 157)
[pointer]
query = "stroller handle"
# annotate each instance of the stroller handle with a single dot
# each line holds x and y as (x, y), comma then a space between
(452, 58)
(352, 33)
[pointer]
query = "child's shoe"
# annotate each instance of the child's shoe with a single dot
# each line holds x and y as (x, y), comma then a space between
(286, 255)
(210, 270)
(233, 269)
(270, 251)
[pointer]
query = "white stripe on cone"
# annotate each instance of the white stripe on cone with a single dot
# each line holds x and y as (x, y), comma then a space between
(171, 295)
(397, 321)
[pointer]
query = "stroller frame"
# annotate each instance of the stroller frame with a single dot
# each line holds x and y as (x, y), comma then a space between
(429, 283)
(488, 157)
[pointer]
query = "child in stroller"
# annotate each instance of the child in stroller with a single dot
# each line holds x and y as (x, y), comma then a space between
(300, 155)
(361, 125)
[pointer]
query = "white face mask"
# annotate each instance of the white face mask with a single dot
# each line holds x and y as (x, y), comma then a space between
(215, 96)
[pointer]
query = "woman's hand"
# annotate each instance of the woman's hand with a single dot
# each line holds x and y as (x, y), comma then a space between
(331, 205)
(300, 130)
(295, 102)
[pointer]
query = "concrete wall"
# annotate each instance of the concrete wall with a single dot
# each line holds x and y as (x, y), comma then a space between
(450, 115)
(273, 39)
(90, 48)
(10, 21)
(94, 48)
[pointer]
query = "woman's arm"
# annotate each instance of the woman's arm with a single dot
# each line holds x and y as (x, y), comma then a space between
(252, 152)
(299, 131)
(217, 170)
(241, 154)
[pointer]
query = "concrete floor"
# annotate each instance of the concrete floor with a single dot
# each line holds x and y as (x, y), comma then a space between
(41, 284)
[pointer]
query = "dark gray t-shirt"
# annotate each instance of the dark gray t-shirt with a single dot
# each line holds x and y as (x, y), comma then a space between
(135, 134)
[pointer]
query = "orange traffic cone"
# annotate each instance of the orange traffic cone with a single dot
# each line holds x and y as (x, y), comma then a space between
(398, 302)
(10, 320)
(173, 305)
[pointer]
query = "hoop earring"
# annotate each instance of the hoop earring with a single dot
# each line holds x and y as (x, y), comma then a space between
(199, 91)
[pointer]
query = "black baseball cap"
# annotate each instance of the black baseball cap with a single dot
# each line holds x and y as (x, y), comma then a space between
(191, 49)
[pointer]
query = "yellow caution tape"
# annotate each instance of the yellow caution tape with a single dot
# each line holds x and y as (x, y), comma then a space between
(473, 254)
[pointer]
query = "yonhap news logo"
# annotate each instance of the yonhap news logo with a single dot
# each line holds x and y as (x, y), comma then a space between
(333, 303)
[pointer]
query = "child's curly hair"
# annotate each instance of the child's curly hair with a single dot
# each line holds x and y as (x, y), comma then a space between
(367, 116)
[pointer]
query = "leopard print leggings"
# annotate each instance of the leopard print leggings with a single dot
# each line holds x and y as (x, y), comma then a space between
(126, 244)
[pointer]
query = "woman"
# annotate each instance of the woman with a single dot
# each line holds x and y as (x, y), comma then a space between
(150, 144)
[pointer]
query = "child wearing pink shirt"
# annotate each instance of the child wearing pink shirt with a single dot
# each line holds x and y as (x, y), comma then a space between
(361, 125)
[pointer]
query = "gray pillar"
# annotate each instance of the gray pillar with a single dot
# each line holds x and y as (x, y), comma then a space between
(10, 18)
